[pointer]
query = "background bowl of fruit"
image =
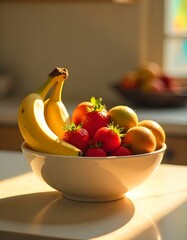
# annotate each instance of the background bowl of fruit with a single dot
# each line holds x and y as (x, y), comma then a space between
(96, 154)
(149, 86)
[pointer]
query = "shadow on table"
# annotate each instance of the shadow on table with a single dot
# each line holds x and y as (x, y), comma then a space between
(74, 219)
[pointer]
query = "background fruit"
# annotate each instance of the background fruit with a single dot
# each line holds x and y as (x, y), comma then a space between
(154, 86)
(129, 81)
(148, 78)
(140, 140)
(156, 129)
(123, 116)
(148, 71)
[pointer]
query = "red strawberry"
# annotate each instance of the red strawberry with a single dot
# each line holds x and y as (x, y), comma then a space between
(77, 136)
(95, 152)
(109, 137)
(95, 118)
(122, 151)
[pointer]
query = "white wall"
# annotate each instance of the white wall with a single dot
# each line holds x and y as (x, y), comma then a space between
(97, 42)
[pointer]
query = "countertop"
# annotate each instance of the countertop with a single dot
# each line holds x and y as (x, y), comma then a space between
(29, 209)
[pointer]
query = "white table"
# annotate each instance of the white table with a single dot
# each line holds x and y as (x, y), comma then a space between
(29, 209)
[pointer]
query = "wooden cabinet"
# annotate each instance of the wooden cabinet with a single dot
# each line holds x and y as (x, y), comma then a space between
(176, 152)
(10, 138)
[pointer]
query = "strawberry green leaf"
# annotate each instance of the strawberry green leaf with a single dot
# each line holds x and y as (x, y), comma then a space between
(97, 105)
(116, 129)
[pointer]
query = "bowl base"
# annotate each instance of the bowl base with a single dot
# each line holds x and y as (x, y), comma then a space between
(93, 200)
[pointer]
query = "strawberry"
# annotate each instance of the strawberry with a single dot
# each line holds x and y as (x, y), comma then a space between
(77, 136)
(109, 137)
(121, 151)
(95, 118)
(95, 152)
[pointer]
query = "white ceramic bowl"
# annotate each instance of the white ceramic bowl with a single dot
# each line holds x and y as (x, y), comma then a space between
(93, 179)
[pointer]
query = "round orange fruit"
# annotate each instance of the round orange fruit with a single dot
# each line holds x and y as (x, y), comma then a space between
(79, 111)
(156, 129)
(140, 140)
(123, 116)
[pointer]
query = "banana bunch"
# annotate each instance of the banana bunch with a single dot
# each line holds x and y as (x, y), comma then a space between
(41, 121)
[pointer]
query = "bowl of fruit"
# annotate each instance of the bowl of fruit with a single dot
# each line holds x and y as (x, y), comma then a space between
(94, 155)
(149, 86)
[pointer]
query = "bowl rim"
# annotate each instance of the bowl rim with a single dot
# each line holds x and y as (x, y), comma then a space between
(25, 147)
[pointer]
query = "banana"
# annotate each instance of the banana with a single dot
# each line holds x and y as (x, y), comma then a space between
(55, 112)
(32, 123)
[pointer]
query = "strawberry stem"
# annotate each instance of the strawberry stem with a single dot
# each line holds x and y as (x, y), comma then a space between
(97, 105)
(72, 127)
(116, 129)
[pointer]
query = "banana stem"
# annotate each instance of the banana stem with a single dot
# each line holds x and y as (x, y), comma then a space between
(57, 93)
(44, 89)
(57, 76)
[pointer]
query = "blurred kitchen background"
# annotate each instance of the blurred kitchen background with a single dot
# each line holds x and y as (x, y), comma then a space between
(98, 41)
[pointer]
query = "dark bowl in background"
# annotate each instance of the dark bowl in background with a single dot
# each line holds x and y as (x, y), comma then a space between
(154, 100)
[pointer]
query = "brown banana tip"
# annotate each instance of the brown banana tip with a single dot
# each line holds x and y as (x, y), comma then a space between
(59, 71)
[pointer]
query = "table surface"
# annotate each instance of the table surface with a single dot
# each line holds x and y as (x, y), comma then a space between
(29, 209)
